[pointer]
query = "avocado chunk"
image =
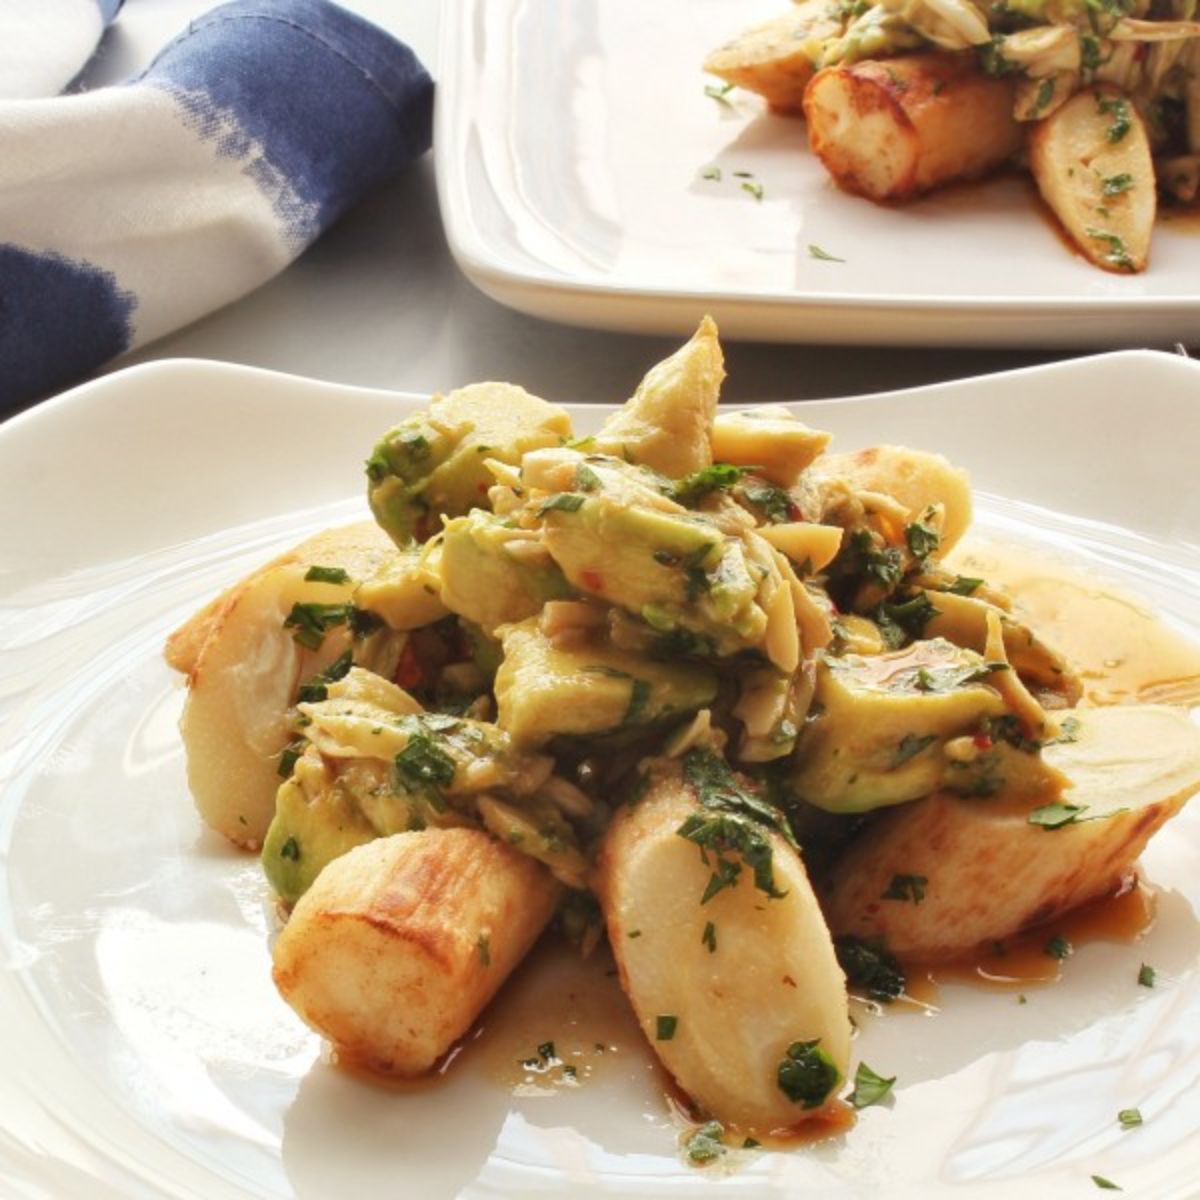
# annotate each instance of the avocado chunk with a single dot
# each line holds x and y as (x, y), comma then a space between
(494, 574)
(402, 591)
(432, 463)
(674, 569)
(883, 723)
(666, 424)
(544, 690)
(376, 765)
(316, 820)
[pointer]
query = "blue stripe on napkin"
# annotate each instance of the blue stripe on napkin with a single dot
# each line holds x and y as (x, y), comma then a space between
(58, 319)
(335, 110)
(109, 9)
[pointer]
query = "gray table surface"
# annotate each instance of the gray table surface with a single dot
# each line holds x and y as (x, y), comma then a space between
(359, 306)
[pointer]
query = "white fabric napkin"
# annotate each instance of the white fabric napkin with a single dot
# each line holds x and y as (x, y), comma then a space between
(129, 211)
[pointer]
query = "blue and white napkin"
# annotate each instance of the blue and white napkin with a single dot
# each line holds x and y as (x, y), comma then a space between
(129, 211)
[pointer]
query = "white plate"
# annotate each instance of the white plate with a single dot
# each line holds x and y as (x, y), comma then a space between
(571, 140)
(145, 1051)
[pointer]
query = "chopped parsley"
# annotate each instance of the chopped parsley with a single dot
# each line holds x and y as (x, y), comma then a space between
(773, 502)
(287, 759)
(1058, 947)
(1056, 816)
(424, 766)
(965, 585)
(709, 937)
(904, 621)
(1117, 255)
(1147, 976)
(317, 688)
(715, 478)
(639, 697)
(1118, 109)
(754, 188)
(732, 826)
(869, 1088)
(290, 850)
(586, 480)
(1106, 1184)
(719, 92)
(869, 966)
(326, 575)
(1045, 94)
(822, 255)
(923, 540)
(483, 944)
(906, 887)
(711, 173)
(310, 623)
(911, 744)
(665, 1025)
(806, 1074)
(705, 1143)
(1115, 185)
(561, 502)
(1129, 1118)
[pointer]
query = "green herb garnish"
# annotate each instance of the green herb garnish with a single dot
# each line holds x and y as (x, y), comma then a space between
(870, 967)
(561, 502)
(664, 1027)
(709, 937)
(1058, 947)
(326, 575)
(910, 746)
(1056, 816)
(1129, 1118)
(705, 1144)
(316, 689)
(822, 255)
(906, 887)
(1147, 976)
(807, 1075)
(869, 1088)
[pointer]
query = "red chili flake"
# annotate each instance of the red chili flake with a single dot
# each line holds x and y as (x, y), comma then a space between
(592, 580)
(795, 511)
(409, 672)
(481, 488)
(983, 741)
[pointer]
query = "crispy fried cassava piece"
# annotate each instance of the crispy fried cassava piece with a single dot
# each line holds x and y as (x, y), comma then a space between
(917, 478)
(893, 129)
(989, 872)
(399, 944)
(1091, 159)
(776, 59)
(667, 422)
(763, 979)
(245, 676)
(359, 549)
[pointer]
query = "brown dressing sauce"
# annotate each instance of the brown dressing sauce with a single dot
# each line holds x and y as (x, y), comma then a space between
(1124, 653)
(576, 1006)
(1023, 961)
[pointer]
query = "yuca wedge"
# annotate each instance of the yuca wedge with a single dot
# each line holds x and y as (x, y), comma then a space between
(1091, 159)
(244, 677)
(917, 478)
(776, 59)
(989, 872)
(359, 549)
(399, 944)
(721, 989)
(892, 130)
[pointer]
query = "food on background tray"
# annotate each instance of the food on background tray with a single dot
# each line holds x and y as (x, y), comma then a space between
(1099, 98)
(691, 682)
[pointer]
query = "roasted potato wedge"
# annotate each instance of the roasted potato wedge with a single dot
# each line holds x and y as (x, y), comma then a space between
(1091, 159)
(893, 129)
(776, 59)
(989, 872)
(744, 976)
(399, 944)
